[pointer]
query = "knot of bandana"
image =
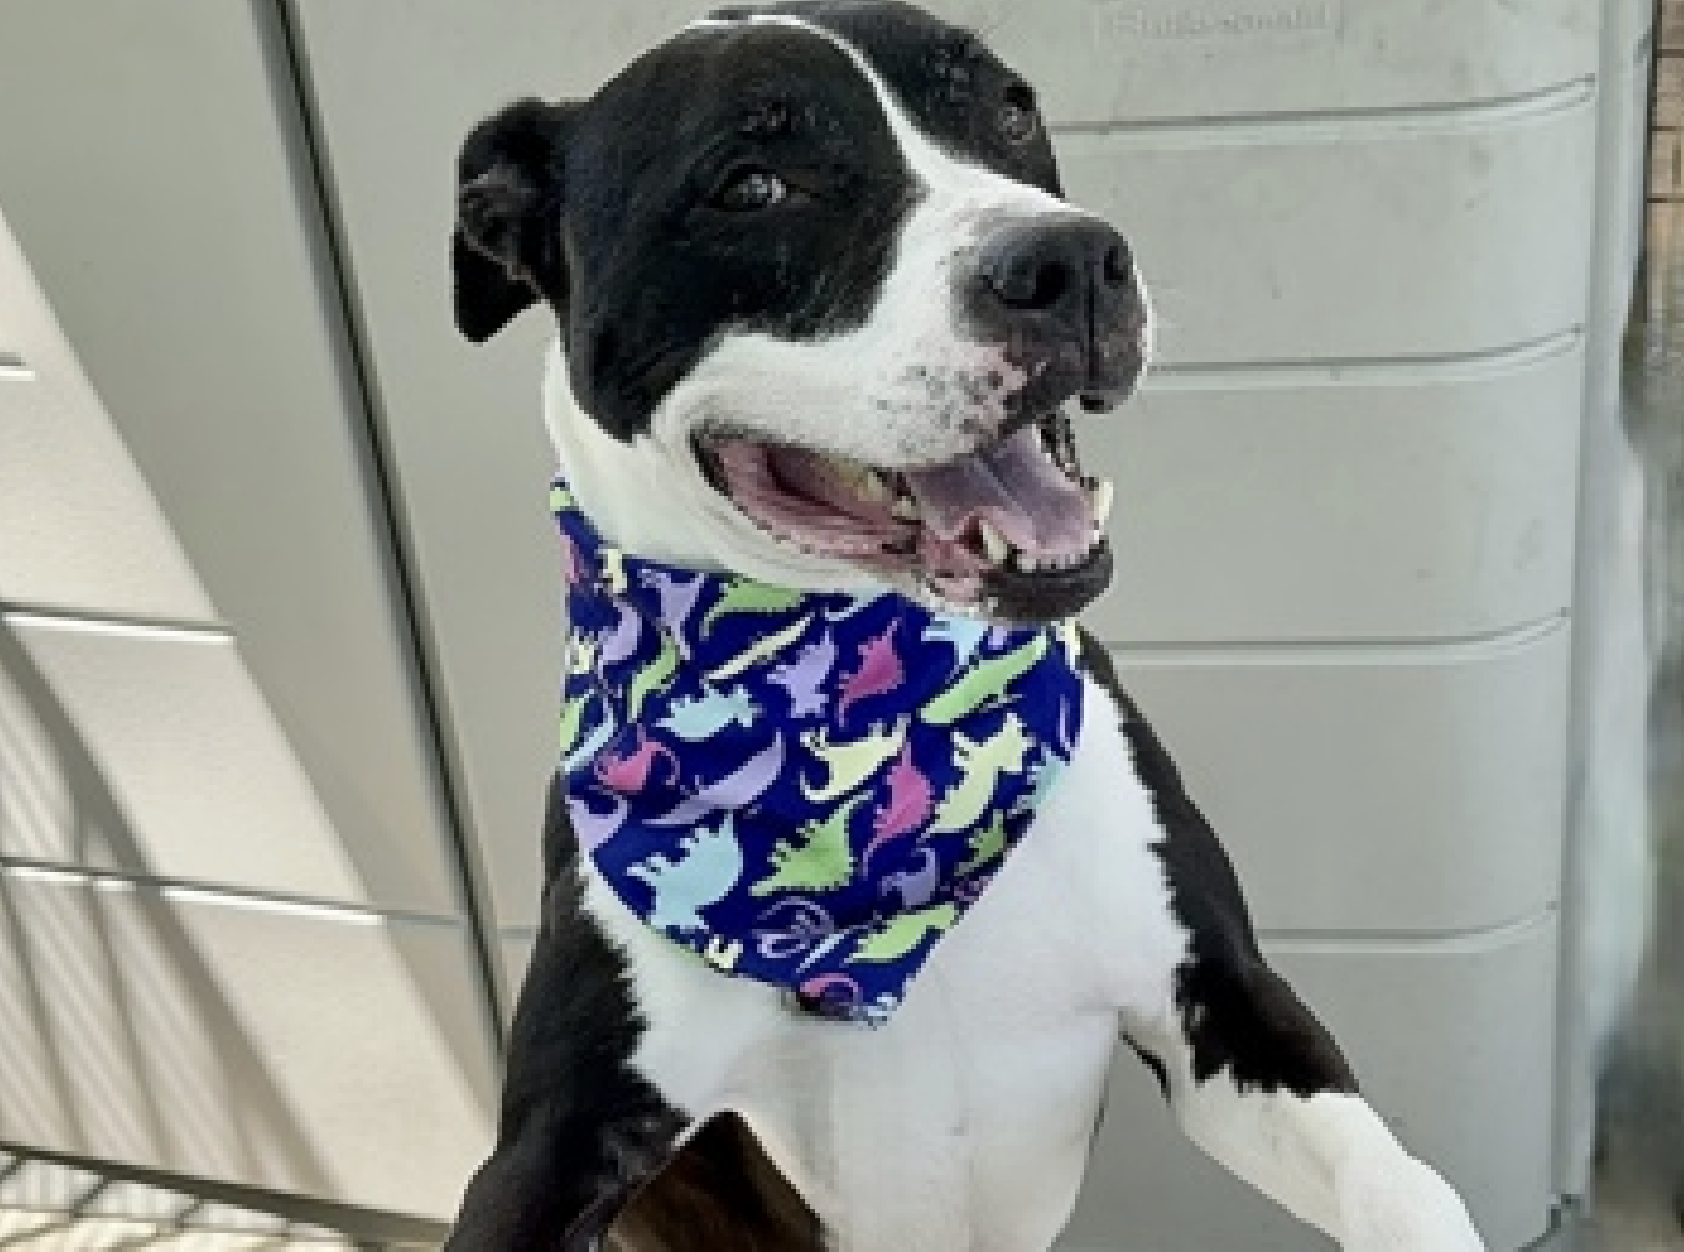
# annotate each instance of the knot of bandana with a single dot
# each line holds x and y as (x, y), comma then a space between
(807, 789)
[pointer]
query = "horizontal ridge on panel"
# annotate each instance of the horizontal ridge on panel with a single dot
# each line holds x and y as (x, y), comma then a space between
(180, 890)
(1437, 367)
(1381, 122)
(1449, 650)
(1405, 942)
(106, 622)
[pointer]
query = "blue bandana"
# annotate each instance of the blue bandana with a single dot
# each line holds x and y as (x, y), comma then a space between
(805, 789)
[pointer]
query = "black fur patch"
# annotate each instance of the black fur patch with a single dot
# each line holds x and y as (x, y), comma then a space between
(578, 1131)
(1237, 1014)
(646, 268)
(506, 254)
(942, 75)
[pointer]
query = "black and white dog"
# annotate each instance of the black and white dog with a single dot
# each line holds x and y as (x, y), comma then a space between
(822, 305)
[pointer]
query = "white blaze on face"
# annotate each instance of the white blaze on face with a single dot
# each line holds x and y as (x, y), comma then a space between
(648, 497)
(909, 387)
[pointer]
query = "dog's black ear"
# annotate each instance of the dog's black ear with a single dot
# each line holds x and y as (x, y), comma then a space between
(506, 250)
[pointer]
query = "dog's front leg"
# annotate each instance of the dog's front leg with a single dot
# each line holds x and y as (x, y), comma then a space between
(578, 1132)
(532, 1193)
(1278, 1108)
(1253, 1077)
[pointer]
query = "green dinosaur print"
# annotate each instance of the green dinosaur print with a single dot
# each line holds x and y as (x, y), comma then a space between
(614, 570)
(744, 595)
(1070, 638)
(572, 717)
(984, 684)
(819, 859)
(650, 678)
(850, 764)
(582, 654)
(903, 933)
(750, 656)
(980, 762)
(1042, 774)
(722, 953)
(987, 845)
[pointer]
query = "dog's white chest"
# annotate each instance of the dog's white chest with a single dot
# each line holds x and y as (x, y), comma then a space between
(945, 1133)
(965, 1122)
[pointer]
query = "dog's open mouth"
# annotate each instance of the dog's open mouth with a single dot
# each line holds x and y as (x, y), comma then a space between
(1015, 530)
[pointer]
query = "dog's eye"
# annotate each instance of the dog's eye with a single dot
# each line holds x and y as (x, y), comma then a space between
(1018, 121)
(749, 190)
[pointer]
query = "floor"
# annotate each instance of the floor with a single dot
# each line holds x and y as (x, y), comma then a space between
(46, 1207)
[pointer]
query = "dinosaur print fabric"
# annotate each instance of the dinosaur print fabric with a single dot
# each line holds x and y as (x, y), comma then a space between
(804, 789)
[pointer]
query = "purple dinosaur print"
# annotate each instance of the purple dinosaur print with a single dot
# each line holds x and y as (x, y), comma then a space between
(804, 677)
(734, 791)
(1067, 727)
(629, 772)
(621, 642)
(592, 828)
(880, 671)
(916, 887)
(791, 927)
(911, 801)
(678, 599)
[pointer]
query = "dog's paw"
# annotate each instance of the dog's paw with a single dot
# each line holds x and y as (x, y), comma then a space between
(1401, 1205)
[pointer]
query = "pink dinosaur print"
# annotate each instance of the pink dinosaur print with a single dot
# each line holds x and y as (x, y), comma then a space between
(911, 801)
(629, 772)
(837, 990)
(880, 671)
(572, 567)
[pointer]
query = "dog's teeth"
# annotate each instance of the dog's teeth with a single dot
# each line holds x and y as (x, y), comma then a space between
(850, 474)
(1100, 500)
(873, 488)
(905, 508)
(1026, 563)
(994, 543)
(1063, 561)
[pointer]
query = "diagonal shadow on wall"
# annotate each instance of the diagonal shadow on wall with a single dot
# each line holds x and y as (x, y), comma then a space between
(119, 1037)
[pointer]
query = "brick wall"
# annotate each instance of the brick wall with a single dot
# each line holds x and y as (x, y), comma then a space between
(1667, 153)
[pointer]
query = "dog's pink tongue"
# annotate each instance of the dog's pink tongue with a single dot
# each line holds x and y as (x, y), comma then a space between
(1013, 485)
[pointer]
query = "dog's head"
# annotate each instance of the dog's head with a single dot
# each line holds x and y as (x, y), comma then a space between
(822, 307)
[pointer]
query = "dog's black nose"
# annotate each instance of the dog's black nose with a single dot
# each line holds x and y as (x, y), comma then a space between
(1063, 295)
(1056, 267)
